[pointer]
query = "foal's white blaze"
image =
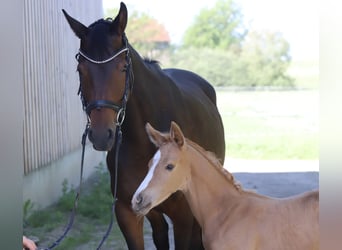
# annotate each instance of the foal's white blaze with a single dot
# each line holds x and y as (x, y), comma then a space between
(149, 175)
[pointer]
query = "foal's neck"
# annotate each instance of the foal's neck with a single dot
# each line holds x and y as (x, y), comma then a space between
(210, 186)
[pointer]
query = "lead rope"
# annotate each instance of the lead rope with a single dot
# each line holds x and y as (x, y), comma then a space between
(73, 212)
(118, 136)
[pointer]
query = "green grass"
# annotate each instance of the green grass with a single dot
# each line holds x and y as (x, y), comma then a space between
(270, 124)
(90, 223)
(92, 215)
(305, 72)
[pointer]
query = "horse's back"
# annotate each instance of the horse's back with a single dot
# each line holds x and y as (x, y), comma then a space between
(189, 81)
(198, 114)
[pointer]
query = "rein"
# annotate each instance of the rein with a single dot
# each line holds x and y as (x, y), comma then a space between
(73, 212)
(121, 111)
(118, 139)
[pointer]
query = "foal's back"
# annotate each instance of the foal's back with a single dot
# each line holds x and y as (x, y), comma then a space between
(293, 223)
(303, 228)
(263, 223)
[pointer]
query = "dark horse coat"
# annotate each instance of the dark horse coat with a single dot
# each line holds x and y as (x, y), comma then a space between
(156, 96)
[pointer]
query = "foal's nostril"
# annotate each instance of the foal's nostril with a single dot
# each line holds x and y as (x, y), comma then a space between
(138, 199)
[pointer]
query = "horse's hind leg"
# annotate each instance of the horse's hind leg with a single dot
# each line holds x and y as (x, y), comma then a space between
(160, 230)
(131, 226)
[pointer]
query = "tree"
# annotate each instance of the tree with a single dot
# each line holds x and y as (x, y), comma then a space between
(266, 55)
(220, 27)
(263, 61)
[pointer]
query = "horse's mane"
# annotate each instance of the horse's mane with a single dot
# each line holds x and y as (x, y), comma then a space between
(152, 63)
(101, 21)
(211, 157)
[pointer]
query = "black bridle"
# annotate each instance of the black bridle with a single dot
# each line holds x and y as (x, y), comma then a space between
(121, 111)
(120, 108)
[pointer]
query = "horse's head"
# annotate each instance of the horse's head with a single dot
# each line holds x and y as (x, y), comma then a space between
(166, 173)
(103, 67)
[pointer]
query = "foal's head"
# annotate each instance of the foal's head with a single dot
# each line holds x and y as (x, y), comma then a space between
(102, 74)
(167, 172)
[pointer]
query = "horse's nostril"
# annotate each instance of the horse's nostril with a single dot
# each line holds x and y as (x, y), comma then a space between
(110, 134)
(90, 134)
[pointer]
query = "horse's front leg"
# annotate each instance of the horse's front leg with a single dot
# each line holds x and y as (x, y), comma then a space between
(160, 229)
(131, 226)
(187, 233)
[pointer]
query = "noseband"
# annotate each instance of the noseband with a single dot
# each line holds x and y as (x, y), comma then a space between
(120, 108)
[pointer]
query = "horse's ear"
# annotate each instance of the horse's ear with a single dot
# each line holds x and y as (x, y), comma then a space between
(79, 29)
(154, 135)
(177, 134)
(120, 21)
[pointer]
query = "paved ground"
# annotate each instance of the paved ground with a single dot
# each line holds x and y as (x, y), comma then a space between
(279, 184)
(276, 178)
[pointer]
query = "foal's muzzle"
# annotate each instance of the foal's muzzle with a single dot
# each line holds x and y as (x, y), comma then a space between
(141, 204)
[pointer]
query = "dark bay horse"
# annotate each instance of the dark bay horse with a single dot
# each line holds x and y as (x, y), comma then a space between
(119, 88)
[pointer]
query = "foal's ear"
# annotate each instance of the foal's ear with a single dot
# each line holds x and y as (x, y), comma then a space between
(154, 135)
(177, 134)
(79, 29)
(120, 21)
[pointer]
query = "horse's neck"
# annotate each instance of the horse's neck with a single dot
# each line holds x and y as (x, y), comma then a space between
(141, 106)
(145, 80)
(208, 189)
(143, 73)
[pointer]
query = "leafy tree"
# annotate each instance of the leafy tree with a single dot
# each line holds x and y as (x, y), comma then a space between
(218, 27)
(218, 47)
(266, 56)
(263, 61)
(214, 65)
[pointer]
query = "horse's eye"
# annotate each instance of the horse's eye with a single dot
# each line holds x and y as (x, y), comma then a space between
(124, 68)
(169, 167)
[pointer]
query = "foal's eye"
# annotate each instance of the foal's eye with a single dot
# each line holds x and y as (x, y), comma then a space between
(169, 167)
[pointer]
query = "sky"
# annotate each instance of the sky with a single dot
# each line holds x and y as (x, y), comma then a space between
(297, 20)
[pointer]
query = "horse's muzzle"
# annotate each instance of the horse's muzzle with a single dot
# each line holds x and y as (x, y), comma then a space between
(102, 140)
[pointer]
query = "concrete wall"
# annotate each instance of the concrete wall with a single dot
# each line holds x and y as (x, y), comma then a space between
(53, 117)
(44, 186)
